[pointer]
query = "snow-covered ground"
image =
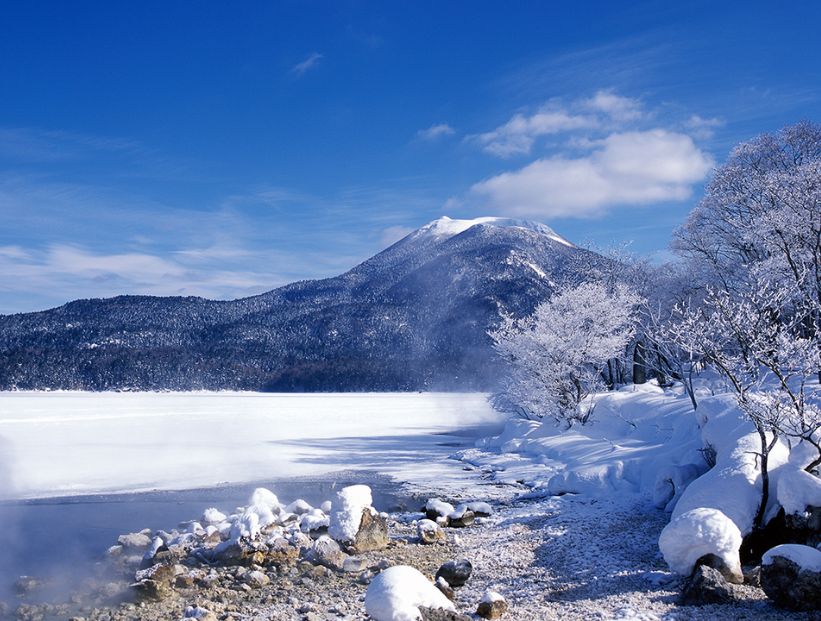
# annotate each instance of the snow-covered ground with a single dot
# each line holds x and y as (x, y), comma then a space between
(69, 443)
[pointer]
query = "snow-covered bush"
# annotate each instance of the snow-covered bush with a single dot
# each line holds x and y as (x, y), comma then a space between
(557, 354)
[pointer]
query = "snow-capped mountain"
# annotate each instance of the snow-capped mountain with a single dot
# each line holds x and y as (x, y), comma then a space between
(414, 316)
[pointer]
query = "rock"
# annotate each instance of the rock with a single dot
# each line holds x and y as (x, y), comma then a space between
(446, 589)
(372, 533)
(456, 572)
(256, 579)
(326, 552)
(480, 509)
(717, 563)
(461, 519)
(429, 532)
(197, 612)
(492, 606)
(752, 577)
(353, 564)
(281, 553)
(135, 541)
(436, 508)
(706, 585)
(239, 552)
(789, 585)
(438, 614)
(154, 583)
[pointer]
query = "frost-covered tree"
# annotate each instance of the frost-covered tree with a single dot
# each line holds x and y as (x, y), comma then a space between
(760, 218)
(757, 340)
(557, 354)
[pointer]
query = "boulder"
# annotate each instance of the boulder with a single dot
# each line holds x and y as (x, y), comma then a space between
(372, 533)
(456, 573)
(429, 532)
(436, 508)
(256, 579)
(134, 541)
(706, 585)
(326, 552)
(791, 577)
(281, 552)
(492, 606)
(154, 583)
(461, 518)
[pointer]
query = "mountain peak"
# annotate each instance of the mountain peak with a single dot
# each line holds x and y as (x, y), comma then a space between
(445, 227)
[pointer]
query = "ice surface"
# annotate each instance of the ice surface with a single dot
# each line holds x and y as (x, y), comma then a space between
(109, 442)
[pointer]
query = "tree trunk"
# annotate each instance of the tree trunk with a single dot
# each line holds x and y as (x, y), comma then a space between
(639, 364)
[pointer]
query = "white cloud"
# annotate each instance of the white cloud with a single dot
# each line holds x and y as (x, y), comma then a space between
(516, 137)
(618, 108)
(301, 68)
(702, 128)
(628, 168)
(434, 132)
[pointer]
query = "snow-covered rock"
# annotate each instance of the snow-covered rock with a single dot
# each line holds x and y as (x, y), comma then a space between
(397, 593)
(315, 519)
(346, 516)
(265, 497)
(435, 508)
(492, 605)
(791, 576)
(430, 532)
(456, 572)
(212, 516)
(298, 507)
(700, 532)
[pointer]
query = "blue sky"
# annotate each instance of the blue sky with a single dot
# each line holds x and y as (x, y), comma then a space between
(222, 149)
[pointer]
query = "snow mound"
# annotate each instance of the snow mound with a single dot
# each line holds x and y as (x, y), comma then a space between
(350, 502)
(804, 556)
(734, 485)
(397, 593)
(695, 533)
(797, 490)
(262, 496)
(212, 516)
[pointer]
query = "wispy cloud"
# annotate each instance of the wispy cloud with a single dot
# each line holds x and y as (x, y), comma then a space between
(630, 168)
(435, 132)
(702, 128)
(311, 62)
(618, 108)
(605, 109)
(26, 144)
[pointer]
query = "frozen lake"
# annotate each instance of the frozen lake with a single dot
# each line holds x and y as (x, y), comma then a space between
(58, 444)
(77, 469)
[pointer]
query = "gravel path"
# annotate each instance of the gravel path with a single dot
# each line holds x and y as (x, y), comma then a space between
(573, 557)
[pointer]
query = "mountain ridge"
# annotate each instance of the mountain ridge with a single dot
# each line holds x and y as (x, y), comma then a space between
(413, 316)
